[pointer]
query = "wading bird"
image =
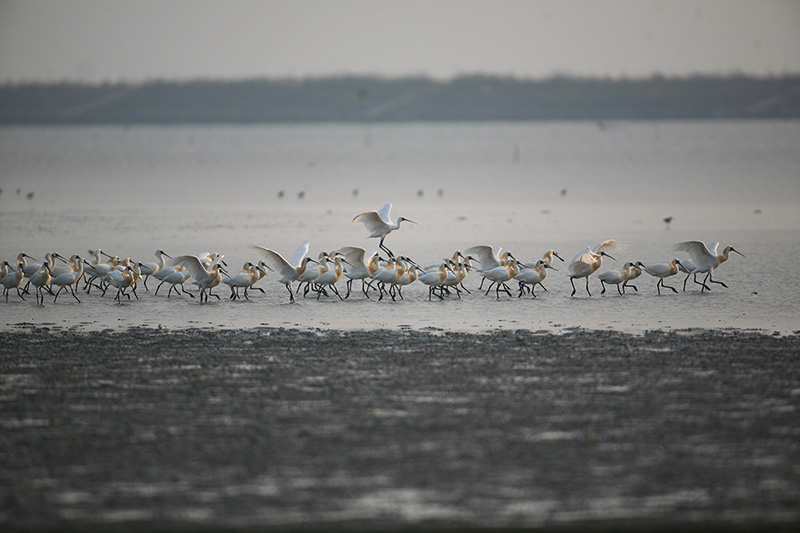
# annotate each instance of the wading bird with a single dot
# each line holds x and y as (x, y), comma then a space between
(178, 276)
(705, 259)
(204, 279)
(532, 275)
(13, 279)
(589, 260)
(380, 224)
(663, 270)
(360, 267)
(68, 279)
(39, 280)
(616, 277)
(288, 271)
(150, 268)
(635, 272)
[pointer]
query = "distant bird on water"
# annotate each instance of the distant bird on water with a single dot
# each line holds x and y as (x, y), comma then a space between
(380, 224)
(667, 221)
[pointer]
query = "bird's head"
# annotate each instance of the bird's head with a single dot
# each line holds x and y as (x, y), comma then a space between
(608, 255)
(404, 219)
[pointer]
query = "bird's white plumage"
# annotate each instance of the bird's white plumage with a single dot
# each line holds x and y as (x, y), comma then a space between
(299, 254)
(488, 256)
(278, 262)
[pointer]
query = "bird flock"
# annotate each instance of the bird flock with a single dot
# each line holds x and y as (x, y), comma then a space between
(383, 276)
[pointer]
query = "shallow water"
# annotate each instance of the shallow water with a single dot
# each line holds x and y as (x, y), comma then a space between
(525, 187)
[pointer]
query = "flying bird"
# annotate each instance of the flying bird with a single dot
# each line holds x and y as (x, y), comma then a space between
(380, 224)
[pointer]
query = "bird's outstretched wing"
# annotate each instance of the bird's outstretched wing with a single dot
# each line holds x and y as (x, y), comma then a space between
(384, 213)
(192, 264)
(299, 254)
(486, 255)
(276, 260)
(373, 221)
(353, 254)
(609, 246)
(581, 262)
(697, 250)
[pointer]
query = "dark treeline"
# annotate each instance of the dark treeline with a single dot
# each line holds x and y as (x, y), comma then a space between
(374, 99)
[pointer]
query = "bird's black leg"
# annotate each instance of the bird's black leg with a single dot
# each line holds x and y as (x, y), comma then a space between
(620, 291)
(384, 248)
(489, 288)
(348, 284)
(603, 284)
(289, 288)
(704, 282)
(667, 286)
(572, 281)
(687, 279)
(587, 286)
(712, 281)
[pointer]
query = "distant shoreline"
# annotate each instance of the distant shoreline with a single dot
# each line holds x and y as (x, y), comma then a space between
(365, 99)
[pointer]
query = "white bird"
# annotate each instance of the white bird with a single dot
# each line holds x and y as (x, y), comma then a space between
(244, 279)
(310, 275)
(635, 272)
(389, 273)
(13, 279)
(151, 267)
(204, 279)
(288, 271)
(121, 280)
(434, 279)
(489, 257)
(178, 276)
(705, 259)
(68, 279)
(380, 224)
(616, 277)
(39, 280)
(330, 276)
(532, 275)
(500, 274)
(589, 260)
(663, 270)
(360, 266)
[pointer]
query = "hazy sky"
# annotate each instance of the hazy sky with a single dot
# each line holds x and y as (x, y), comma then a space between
(113, 40)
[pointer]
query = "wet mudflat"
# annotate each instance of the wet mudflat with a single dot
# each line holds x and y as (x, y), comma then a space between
(283, 429)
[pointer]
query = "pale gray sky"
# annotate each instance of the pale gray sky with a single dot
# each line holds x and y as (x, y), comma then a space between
(134, 40)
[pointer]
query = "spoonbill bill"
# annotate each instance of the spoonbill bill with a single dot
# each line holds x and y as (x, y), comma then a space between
(379, 224)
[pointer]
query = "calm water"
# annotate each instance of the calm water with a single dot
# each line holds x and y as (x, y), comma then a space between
(526, 187)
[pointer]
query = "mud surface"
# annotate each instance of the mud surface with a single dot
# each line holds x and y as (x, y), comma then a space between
(282, 429)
